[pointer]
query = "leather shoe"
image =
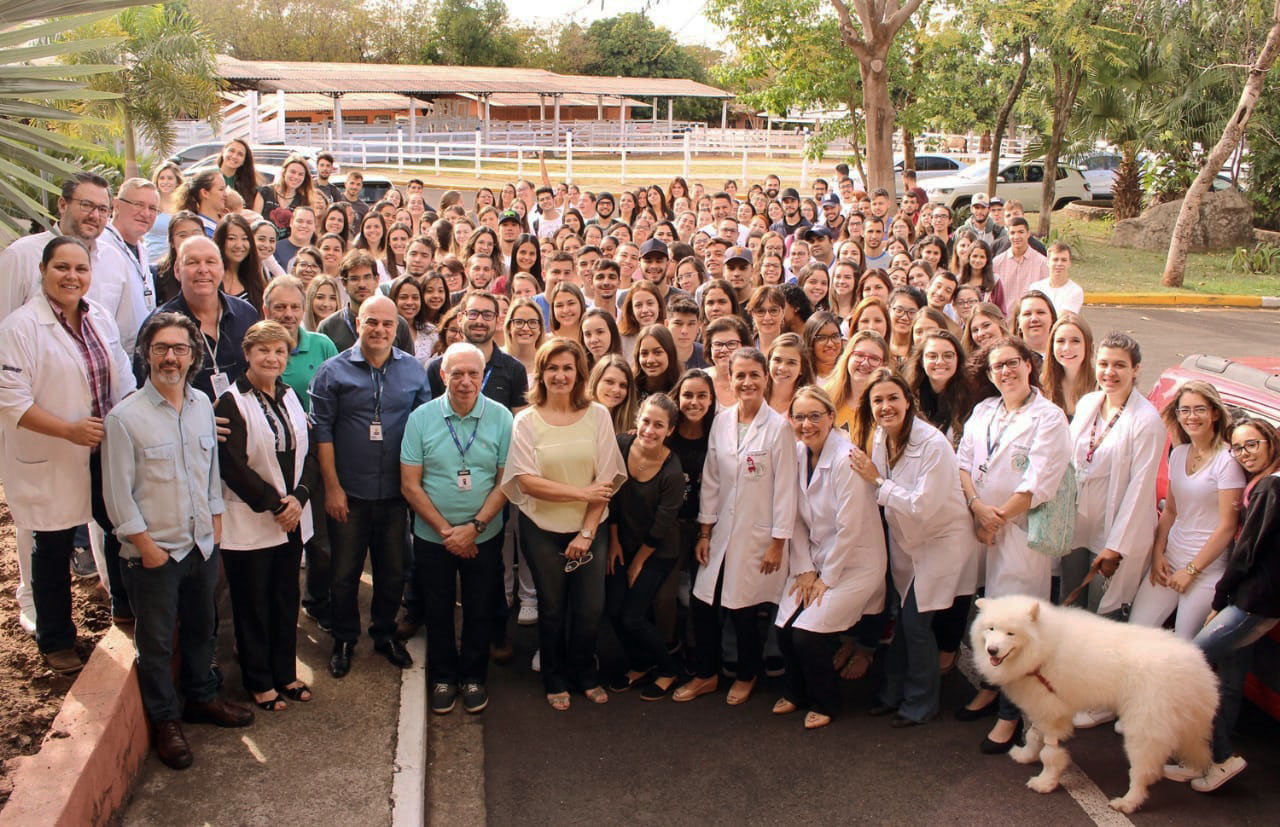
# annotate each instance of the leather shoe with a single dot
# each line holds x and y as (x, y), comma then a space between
(217, 711)
(406, 629)
(171, 745)
(340, 660)
(394, 651)
(989, 747)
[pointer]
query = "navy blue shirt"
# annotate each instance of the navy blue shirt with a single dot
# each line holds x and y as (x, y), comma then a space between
(505, 380)
(347, 394)
(236, 319)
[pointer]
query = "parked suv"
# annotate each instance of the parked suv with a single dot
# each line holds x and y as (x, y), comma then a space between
(1016, 179)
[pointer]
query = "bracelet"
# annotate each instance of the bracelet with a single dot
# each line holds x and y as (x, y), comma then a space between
(1191, 569)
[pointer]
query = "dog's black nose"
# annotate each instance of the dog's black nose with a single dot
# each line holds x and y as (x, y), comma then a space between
(993, 651)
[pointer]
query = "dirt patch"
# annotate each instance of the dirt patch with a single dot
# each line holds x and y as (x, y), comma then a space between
(31, 695)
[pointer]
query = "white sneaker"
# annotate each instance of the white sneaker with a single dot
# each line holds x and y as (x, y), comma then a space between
(528, 616)
(1180, 773)
(1219, 774)
(27, 620)
(536, 665)
(1090, 718)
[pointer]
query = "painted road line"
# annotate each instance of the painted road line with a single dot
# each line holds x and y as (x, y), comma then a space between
(408, 773)
(455, 770)
(1091, 799)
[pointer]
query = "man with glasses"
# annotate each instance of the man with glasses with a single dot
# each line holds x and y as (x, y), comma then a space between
(505, 380)
(170, 528)
(358, 273)
(360, 403)
(135, 210)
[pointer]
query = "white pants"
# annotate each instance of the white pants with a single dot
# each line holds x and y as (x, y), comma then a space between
(528, 596)
(26, 600)
(1153, 605)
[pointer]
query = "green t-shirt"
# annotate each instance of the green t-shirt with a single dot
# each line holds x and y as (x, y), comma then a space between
(312, 351)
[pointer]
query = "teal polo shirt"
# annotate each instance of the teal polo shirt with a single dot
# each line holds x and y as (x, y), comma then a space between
(429, 443)
(312, 351)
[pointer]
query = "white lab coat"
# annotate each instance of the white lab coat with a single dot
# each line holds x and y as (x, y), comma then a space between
(1031, 458)
(747, 492)
(931, 539)
(46, 478)
(838, 535)
(139, 286)
(20, 280)
(1130, 461)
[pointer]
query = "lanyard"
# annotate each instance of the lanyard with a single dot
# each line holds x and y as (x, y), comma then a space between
(485, 381)
(378, 377)
(462, 451)
(346, 317)
(1093, 429)
(994, 446)
(213, 351)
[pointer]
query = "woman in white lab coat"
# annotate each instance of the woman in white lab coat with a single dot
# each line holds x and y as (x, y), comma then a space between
(746, 515)
(837, 559)
(63, 370)
(933, 554)
(1015, 449)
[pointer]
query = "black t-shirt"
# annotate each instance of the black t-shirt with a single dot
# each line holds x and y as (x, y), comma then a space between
(784, 229)
(645, 512)
(505, 379)
(693, 455)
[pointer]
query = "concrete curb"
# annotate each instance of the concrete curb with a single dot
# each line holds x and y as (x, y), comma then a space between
(82, 777)
(1182, 300)
(409, 773)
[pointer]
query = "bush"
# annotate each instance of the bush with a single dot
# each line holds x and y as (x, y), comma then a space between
(1263, 259)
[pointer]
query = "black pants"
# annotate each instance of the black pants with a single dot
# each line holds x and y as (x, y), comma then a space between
(437, 571)
(51, 588)
(708, 618)
(811, 679)
(630, 607)
(110, 543)
(264, 608)
(315, 589)
(950, 624)
(375, 527)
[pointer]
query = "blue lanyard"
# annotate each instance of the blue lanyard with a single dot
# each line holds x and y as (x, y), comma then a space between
(377, 377)
(462, 451)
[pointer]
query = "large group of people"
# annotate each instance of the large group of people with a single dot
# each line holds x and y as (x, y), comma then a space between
(753, 434)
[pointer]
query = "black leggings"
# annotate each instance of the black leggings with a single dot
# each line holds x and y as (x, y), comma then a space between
(949, 625)
(811, 679)
(708, 619)
(629, 608)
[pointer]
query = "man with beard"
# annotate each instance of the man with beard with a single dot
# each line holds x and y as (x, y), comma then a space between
(792, 220)
(359, 276)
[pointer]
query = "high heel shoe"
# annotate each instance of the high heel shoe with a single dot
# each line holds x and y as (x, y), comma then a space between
(964, 713)
(989, 747)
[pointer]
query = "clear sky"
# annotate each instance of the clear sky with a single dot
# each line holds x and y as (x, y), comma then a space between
(683, 18)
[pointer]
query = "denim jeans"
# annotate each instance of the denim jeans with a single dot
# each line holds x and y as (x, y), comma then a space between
(375, 527)
(264, 607)
(630, 607)
(1227, 642)
(315, 590)
(438, 570)
(570, 606)
(912, 679)
(175, 594)
(110, 543)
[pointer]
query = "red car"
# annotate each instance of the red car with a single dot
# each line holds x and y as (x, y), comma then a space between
(1252, 386)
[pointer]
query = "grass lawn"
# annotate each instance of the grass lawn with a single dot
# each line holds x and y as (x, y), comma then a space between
(1099, 267)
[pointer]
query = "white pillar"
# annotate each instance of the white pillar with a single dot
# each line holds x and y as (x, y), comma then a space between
(542, 107)
(555, 134)
(599, 107)
(478, 140)
(337, 118)
(486, 121)
(622, 127)
(568, 155)
(653, 113)
(744, 167)
(413, 120)
(671, 120)
(280, 107)
(251, 104)
(724, 115)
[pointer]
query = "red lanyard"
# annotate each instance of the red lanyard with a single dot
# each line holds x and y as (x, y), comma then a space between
(1093, 429)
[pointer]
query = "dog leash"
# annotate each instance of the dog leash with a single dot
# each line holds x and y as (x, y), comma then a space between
(1084, 584)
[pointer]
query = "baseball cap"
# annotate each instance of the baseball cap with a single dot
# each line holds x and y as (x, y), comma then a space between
(831, 200)
(605, 196)
(789, 192)
(510, 215)
(996, 201)
(654, 246)
(816, 232)
(980, 198)
(738, 254)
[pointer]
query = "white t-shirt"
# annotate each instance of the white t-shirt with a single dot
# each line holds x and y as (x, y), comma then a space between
(1069, 296)
(1197, 500)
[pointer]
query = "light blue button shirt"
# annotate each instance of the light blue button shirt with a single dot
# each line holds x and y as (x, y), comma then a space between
(160, 472)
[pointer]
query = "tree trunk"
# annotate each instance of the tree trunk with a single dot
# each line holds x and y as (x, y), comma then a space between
(879, 113)
(1002, 117)
(130, 147)
(908, 150)
(1066, 84)
(1126, 190)
(1176, 264)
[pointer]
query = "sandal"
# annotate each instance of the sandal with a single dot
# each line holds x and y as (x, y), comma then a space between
(740, 692)
(274, 704)
(694, 688)
(816, 720)
(597, 695)
(784, 707)
(559, 701)
(843, 655)
(857, 665)
(300, 693)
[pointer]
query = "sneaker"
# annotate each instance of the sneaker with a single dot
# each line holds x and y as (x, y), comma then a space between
(1219, 774)
(82, 564)
(1180, 772)
(27, 620)
(1090, 718)
(528, 616)
(536, 663)
(474, 698)
(321, 621)
(444, 696)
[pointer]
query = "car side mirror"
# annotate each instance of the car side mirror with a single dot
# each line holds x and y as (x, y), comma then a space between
(1000, 179)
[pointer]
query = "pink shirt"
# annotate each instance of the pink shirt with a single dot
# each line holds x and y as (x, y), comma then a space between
(1014, 276)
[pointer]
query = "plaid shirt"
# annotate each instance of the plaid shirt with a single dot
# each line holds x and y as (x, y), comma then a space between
(97, 360)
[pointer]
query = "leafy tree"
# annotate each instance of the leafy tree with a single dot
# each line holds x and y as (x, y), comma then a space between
(167, 73)
(319, 30)
(472, 33)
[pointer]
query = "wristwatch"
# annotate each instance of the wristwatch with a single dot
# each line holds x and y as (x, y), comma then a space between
(1191, 569)
(879, 481)
(588, 533)
(480, 525)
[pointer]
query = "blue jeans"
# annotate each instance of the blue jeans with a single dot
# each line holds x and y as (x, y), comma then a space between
(1227, 642)
(570, 606)
(181, 594)
(375, 527)
(912, 679)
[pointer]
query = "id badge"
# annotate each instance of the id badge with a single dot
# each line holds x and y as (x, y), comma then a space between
(464, 480)
(220, 384)
(375, 431)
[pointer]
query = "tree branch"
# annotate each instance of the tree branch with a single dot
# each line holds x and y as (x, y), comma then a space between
(899, 17)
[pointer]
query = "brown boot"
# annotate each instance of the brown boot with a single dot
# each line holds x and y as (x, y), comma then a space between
(171, 745)
(64, 661)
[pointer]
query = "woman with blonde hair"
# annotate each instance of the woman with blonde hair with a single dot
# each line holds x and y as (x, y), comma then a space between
(864, 353)
(323, 299)
(612, 384)
(986, 325)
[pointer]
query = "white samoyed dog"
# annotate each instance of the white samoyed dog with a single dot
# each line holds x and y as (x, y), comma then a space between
(1053, 662)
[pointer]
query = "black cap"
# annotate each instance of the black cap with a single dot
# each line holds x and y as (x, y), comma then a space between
(605, 196)
(831, 200)
(816, 231)
(510, 215)
(789, 192)
(654, 246)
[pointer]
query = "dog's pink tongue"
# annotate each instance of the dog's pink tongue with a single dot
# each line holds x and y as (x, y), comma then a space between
(995, 661)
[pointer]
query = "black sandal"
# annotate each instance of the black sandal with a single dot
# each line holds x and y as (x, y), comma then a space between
(275, 704)
(301, 694)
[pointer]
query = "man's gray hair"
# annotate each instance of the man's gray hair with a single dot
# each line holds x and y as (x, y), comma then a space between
(458, 349)
(134, 184)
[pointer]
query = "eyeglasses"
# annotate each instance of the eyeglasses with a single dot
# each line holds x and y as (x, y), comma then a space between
(769, 312)
(901, 310)
(452, 333)
(306, 265)
(871, 359)
(827, 339)
(726, 345)
(1008, 364)
(487, 315)
(160, 349)
(146, 208)
(1198, 410)
(964, 302)
(571, 566)
(1249, 446)
(531, 324)
(949, 356)
(812, 419)
(90, 207)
